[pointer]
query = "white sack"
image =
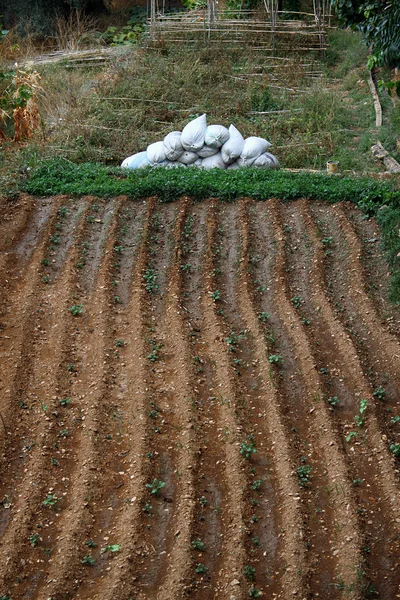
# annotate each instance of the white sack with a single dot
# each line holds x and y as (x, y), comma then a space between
(188, 158)
(136, 161)
(252, 149)
(207, 151)
(232, 149)
(173, 164)
(198, 163)
(216, 136)
(213, 162)
(266, 161)
(233, 166)
(172, 145)
(193, 133)
(156, 152)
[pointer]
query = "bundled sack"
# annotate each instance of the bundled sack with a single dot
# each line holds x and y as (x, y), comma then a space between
(216, 136)
(213, 162)
(266, 161)
(207, 151)
(156, 153)
(233, 147)
(187, 158)
(173, 146)
(252, 149)
(136, 161)
(193, 134)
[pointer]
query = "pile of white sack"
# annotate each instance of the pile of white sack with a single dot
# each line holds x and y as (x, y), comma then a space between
(208, 147)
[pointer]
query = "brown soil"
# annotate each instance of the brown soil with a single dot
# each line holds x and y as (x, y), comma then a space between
(223, 350)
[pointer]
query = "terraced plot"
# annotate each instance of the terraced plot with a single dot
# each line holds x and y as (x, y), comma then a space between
(197, 400)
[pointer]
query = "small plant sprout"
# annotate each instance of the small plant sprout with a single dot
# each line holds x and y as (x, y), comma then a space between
(215, 295)
(76, 309)
(297, 301)
(254, 592)
(395, 420)
(45, 262)
(111, 548)
(333, 401)
(88, 560)
(263, 317)
(71, 368)
(275, 359)
(120, 343)
(249, 572)
(256, 485)
(34, 539)
(203, 501)
(358, 481)
(380, 393)
(50, 500)
(62, 211)
(395, 450)
(350, 436)
(303, 473)
(150, 279)
(65, 401)
(328, 241)
(90, 544)
(359, 419)
(147, 508)
(63, 433)
(201, 569)
(197, 544)
(155, 486)
(247, 449)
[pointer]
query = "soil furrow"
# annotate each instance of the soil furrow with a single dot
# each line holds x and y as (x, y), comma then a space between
(172, 581)
(122, 580)
(43, 385)
(376, 272)
(208, 527)
(233, 544)
(342, 542)
(263, 519)
(341, 361)
(289, 549)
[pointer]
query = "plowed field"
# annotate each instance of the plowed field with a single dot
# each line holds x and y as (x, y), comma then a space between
(196, 400)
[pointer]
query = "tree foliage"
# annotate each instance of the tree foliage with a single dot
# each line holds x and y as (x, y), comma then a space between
(379, 23)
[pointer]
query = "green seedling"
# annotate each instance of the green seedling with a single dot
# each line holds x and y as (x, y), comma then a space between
(155, 486)
(117, 300)
(118, 249)
(147, 508)
(215, 295)
(201, 569)
(359, 419)
(197, 544)
(45, 262)
(357, 482)
(55, 239)
(50, 500)
(255, 541)
(350, 436)
(88, 560)
(150, 278)
(380, 393)
(71, 368)
(65, 401)
(275, 359)
(111, 548)
(186, 267)
(333, 401)
(395, 420)
(254, 593)
(203, 501)
(62, 211)
(254, 519)
(46, 279)
(297, 301)
(256, 485)
(247, 449)
(303, 473)
(34, 539)
(63, 433)
(249, 572)
(120, 343)
(328, 241)
(90, 544)
(76, 309)
(395, 450)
